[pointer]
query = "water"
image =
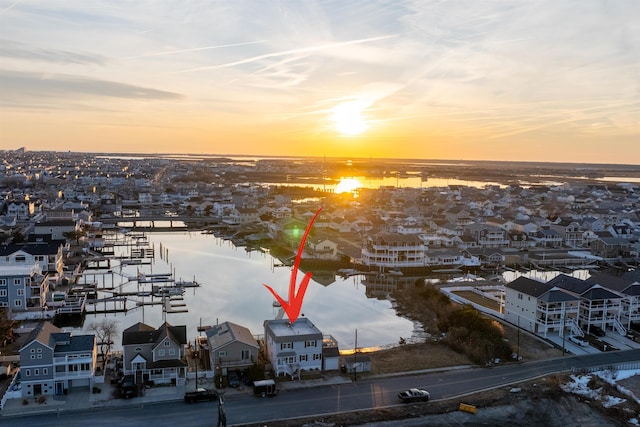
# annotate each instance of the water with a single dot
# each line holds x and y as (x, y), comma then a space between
(232, 290)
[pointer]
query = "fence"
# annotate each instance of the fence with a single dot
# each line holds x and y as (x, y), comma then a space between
(626, 366)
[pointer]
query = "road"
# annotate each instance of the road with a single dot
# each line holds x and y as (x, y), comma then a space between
(360, 395)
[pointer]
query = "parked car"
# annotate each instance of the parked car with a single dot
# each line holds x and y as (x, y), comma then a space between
(596, 330)
(127, 387)
(414, 395)
(265, 388)
(200, 394)
(576, 339)
(233, 379)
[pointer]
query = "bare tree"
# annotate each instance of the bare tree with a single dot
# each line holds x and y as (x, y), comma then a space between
(105, 331)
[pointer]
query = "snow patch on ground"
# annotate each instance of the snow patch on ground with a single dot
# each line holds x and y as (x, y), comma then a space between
(579, 385)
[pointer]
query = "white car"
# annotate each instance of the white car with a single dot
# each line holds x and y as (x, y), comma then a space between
(578, 340)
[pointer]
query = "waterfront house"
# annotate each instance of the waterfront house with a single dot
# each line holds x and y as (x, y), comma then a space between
(47, 253)
(628, 285)
(393, 250)
(53, 362)
(231, 347)
(321, 247)
(156, 355)
(22, 287)
(541, 308)
(56, 228)
(292, 348)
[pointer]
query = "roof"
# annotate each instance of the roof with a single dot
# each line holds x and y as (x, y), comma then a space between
(228, 332)
(570, 283)
(282, 330)
(628, 283)
(65, 342)
(141, 333)
(597, 292)
(51, 336)
(529, 286)
(558, 295)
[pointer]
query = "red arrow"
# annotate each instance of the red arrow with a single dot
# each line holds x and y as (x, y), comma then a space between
(294, 305)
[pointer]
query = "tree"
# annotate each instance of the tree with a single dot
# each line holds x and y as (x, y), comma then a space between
(74, 235)
(105, 331)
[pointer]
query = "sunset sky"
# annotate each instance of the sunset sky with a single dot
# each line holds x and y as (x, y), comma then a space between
(528, 80)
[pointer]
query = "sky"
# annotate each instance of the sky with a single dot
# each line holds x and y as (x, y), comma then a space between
(529, 80)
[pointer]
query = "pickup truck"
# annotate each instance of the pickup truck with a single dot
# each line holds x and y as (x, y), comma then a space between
(200, 394)
(414, 395)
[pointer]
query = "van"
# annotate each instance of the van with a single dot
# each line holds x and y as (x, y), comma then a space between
(265, 388)
(579, 340)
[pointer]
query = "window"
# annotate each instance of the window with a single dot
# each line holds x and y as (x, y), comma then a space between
(291, 359)
(172, 352)
(20, 292)
(161, 352)
(222, 354)
(3, 292)
(20, 258)
(245, 355)
(33, 356)
(519, 296)
(45, 371)
(137, 349)
(17, 282)
(28, 372)
(3, 282)
(167, 343)
(39, 356)
(286, 345)
(17, 303)
(36, 372)
(304, 357)
(309, 344)
(317, 356)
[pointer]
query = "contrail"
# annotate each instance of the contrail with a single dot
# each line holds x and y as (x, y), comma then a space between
(172, 52)
(11, 6)
(287, 52)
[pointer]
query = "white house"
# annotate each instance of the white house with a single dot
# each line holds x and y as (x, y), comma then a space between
(293, 348)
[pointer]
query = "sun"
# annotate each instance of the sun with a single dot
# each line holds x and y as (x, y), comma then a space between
(347, 185)
(348, 119)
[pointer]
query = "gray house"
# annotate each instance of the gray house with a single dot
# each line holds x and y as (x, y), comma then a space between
(231, 347)
(156, 355)
(52, 361)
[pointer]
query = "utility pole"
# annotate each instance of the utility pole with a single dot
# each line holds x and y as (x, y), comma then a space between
(355, 359)
(518, 337)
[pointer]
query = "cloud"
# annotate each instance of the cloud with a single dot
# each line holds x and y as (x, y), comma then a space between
(298, 51)
(41, 85)
(16, 50)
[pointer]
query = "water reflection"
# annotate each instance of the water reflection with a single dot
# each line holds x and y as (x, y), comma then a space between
(231, 290)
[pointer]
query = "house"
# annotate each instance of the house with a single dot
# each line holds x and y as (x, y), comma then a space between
(540, 307)
(292, 348)
(628, 285)
(56, 228)
(47, 253)
(156, 355)
(22, 287)
(231, 347)
(356, 363)
(393, 250)
(320, 247)
(53, 362)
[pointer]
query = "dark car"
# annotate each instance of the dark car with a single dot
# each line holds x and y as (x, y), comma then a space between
(596, 330)
(201, 394)
(127, 387)
(233, 379)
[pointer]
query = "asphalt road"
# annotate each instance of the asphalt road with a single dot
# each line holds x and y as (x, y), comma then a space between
(360, 395)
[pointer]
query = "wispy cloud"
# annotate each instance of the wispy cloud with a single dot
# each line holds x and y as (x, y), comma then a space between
(303, 50)
(17, 50)
(42, 85)
(196, 49)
